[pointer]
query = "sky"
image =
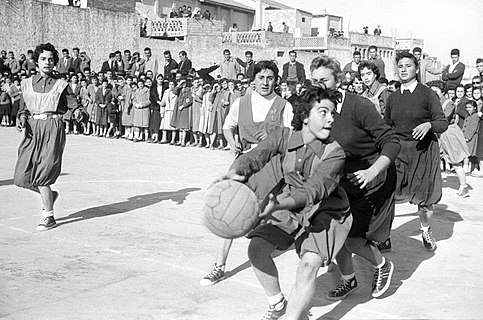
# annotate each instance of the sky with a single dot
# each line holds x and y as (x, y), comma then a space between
(443, 24)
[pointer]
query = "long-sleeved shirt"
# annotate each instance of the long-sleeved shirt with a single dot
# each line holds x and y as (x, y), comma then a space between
(306, 184)
(419, 104)
(229, 68)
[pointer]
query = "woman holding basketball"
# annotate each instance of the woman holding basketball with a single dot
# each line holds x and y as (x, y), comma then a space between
(311, 166)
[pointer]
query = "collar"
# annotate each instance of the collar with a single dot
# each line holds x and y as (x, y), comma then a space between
(338, 108)
(292, 64)
(373, 89)
(411, 87)
(296, 141)
(38, 77)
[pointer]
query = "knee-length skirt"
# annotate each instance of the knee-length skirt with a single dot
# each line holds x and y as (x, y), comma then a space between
(141, 117)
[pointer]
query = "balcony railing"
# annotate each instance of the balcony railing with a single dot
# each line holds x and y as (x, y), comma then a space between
(253, 38)
(168, 28)
(310, 43)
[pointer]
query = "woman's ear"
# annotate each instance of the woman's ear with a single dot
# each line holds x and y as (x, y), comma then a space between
(306, 120)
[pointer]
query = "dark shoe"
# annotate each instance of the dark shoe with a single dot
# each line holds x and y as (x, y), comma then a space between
(46, 224)
(428, 240)
(384, 246)
(136, 140)
(149, 140)
(155, 141)
(276, 311)
(343, 289)
(382, 279)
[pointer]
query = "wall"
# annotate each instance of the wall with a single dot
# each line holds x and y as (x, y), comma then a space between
(29, 22)
(117, 5)
(303, 29)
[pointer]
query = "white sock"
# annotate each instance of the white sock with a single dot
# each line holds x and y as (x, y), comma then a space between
(46, 214)
(425, 229)
(348, 276)
(382, 264)
(273, 300)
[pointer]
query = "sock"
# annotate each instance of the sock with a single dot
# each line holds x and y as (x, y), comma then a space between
(46, 214)
(382, 264)
(273, 300)
(348, 276)
(425, 229)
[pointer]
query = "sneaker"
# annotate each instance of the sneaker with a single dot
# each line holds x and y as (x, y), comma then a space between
(216, 275)
(463, 193)
(384, 246)
(343, 289)
(428, 240)
(382, 279)
(276, 311)
(46, 224)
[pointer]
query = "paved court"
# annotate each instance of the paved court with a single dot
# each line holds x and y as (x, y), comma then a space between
(130, 245)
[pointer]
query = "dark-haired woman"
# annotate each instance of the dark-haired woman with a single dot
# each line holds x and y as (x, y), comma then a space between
(311, 166)
(44, 100)
(415, 113)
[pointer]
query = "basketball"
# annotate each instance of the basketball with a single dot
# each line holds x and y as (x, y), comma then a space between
(231, 209)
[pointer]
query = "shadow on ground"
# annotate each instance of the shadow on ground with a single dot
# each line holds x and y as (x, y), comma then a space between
(132, 203)
(407, 254)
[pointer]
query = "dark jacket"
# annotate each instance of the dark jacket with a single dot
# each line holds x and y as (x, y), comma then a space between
(299, 69)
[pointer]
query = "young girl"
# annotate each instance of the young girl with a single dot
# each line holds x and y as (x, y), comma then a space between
(103, 100)
(416, 115)
(141, 105)
(84, 99)
(126, 106)
(167, 107)
(453, 146)
(92, 107)
(470, 128)
(5, 105)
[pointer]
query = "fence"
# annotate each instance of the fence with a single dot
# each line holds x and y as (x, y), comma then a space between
(168, 28)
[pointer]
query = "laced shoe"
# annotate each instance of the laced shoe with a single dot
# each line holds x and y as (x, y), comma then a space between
(343, 289)
(463, 192)
(276, 311)
(428, 239)
(216, 274)
(46, 223)
(384, 246)
(382, 279)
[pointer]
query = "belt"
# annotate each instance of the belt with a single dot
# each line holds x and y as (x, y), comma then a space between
(45, 116)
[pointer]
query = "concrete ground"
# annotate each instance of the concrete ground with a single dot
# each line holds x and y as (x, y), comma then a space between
(130, 245)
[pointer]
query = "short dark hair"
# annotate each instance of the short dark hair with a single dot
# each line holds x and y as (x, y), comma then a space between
(45, 47)
(472, 103)
(479, 60)
(65, 50)
(117, 52)
(292, 51)
(147, 49)
(417, 49)
(406, 54)
(265, 64)
(396, 84)
(249, 53)
(111, 55)
(468, 86)
(76, 49)
(167, 52)
(226, 51)
(356, 53)
(455, 52)
(370, 66)
(305, 103)
(127, 51)
(183, 53)
(372, 47)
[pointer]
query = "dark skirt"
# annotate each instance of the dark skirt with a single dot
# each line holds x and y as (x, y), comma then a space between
(479, 144)
(5, 109)
(40, 153)
(418, 173)
(184, 119)
(154, 120)
(113, 116)
(101, 116)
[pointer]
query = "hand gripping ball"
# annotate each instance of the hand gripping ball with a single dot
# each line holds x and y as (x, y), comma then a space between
(231, 209)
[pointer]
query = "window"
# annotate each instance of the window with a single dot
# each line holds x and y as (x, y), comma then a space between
(303, 19)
